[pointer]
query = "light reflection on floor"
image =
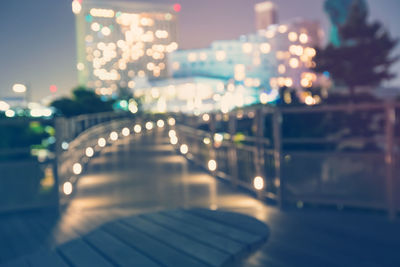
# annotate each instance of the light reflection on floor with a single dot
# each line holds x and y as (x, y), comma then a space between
(142, 176)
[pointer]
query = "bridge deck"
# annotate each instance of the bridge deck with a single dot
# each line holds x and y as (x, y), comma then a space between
(145, 176)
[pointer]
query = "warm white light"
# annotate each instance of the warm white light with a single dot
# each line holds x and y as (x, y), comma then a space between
(10, 113)
(206, 117)
(292, 36)
(101, 142)
(80, 66)
(67, 188)
(89, 152)
(106, 31)
(212, 165)
(309, 100)
(137, 129)
(132, 106)
(160, 124)
(283, 28)
(171, 133)
(171, 121)
(303, 38)
(174, 140)
(258, 183)
(309, 51)
(264, 98)
(294, 63)
(207, 140)
(114, 136)
(218, 137)
(240, 73)
(104, 13)
(288, 82)
(76, 7)
(247, 48)
(265, 48)
(281, 69)
(4, 106)
(220, 55)
(19, 88)
(77, 168)
(184, 149)
(149, 125)
(126, 132)
(95, 27)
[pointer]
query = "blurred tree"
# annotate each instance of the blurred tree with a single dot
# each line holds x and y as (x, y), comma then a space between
(363, 57)
(83, 101)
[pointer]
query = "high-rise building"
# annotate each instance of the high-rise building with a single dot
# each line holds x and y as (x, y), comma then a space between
(266, 15)
(281, 55)
(121, 42)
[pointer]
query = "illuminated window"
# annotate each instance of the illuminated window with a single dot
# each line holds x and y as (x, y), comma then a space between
(265, 48)
(294, 63)
(292, 36)
(220, 55)
(303, 38)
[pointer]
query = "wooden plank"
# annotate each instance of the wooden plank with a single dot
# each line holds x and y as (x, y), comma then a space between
(118, 252)
(197, 233)
(15, 236)
(46, 257)
(6, 251)
(242, 222)
(152, 248)
(198, 250)
(215, 227)
(16, 263)
(78, 253)
(43, 234)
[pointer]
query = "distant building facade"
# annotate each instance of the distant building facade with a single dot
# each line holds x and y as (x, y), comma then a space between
(266, 14)
(118, 42)
(281, 55)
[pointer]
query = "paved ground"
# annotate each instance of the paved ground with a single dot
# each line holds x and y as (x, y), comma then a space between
(140, 176)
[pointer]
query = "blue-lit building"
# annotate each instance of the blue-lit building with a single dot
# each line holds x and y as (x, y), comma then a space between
(277, 56)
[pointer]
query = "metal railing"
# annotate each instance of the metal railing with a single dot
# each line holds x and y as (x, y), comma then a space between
(344, 155)
(73, 159)
(329, 161)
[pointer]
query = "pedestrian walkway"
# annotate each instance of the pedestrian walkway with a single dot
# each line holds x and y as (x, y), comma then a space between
(140, 190)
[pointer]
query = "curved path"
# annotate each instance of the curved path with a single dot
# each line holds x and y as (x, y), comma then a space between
(144, 175)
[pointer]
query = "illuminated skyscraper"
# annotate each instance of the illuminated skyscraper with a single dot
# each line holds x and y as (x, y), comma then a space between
(121, 42)
(266, 15)
(281, 55)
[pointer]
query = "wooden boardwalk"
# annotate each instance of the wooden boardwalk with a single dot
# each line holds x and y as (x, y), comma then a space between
(140, 204)
(197, 238)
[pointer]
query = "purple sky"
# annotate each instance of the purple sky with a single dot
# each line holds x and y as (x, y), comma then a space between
(37, 44)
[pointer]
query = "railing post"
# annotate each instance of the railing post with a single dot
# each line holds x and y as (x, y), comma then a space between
(60, 125)
(212, 125)
(277, 130)
(259, 146)
(233, 161)
(390, 120)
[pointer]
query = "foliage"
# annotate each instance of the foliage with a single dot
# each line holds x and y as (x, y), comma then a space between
(364, 55)
(83, 101)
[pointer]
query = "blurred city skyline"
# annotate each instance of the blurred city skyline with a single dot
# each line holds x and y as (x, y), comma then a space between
(40, 48)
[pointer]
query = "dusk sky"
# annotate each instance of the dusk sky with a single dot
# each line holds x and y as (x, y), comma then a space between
(38, 37)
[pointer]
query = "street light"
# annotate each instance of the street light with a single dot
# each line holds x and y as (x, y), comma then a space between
(19, 88)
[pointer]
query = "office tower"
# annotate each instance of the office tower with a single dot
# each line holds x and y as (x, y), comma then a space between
(122, 43)
(266, 15)
(281, 55)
